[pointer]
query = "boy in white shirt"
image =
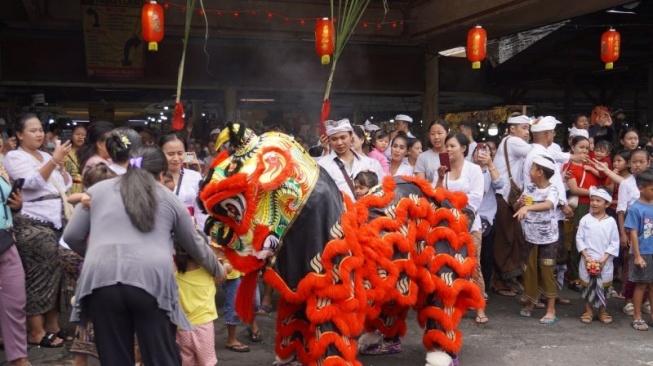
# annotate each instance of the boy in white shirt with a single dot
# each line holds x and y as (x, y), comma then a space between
(540, 225)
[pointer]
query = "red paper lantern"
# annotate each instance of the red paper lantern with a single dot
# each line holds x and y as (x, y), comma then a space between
(324, 40)
(476, 42)
(610, 47)
(152, 25)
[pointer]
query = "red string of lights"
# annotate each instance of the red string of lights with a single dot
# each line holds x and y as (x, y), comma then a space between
(237, 13)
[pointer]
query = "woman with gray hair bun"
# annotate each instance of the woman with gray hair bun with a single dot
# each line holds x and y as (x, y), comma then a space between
(120, 143)
(127, 282)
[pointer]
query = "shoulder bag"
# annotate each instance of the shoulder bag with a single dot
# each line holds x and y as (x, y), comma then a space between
(515, 191)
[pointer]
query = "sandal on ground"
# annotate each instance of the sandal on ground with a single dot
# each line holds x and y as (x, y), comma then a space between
(616, 295)
(563, 301)
(525, 313)
(264, 310)
(549, 321)
(507, 292)
(254, 336)
(604, 317)
(62, 334)
(241, 348)
(481, 320)
(586, 318)
(639, 324)
(48, 341)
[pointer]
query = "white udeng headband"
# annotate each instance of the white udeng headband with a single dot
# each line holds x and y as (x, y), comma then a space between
(600, 192)
(544, 162)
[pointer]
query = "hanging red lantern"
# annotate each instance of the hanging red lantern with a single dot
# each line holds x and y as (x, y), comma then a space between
(324, 40)
(610, 47)
(152, 25)
(476, 42)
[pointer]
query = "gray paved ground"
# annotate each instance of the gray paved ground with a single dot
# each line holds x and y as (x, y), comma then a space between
(507, 340)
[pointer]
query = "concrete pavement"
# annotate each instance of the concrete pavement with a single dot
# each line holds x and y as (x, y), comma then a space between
(508, 340)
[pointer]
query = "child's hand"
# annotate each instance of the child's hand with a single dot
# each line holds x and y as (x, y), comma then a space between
(639, 261)
(522, 199)
(86, 201)
(601, 166)
(623, 239)
(75, 198)
(521, 214)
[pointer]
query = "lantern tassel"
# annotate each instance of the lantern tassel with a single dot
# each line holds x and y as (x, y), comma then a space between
(476, 65)
(609, 65)
(178, 117)
(152, 46)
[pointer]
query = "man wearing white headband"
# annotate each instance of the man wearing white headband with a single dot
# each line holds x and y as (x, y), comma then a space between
(509, 237)
(402, 123)
(573, 132)
(342, 163)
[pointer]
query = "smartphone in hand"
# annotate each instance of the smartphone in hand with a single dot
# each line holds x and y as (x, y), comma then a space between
(190, 157)
(444, 160)
(18, 185)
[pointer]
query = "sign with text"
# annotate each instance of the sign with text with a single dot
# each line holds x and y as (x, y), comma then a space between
(112, 38)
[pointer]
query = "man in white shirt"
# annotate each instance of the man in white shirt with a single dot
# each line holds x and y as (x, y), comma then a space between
(509, 239)
(342, 163)
(468, 128)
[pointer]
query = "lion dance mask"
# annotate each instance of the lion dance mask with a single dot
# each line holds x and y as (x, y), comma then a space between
(342, 268)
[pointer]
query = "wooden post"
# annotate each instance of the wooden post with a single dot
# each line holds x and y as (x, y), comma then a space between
(431, 96)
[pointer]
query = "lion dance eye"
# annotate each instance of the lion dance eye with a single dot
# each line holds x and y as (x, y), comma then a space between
(232, 207)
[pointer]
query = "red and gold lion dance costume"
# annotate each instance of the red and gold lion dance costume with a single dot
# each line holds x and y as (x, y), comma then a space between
(340, 267)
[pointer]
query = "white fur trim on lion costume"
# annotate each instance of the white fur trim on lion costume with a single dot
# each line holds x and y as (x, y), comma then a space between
(368, 339)
(438, 358)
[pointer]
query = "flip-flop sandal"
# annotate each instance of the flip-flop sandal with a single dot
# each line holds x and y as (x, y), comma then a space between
(604, 317)
(507, 292)
(586, 318)
(264, 310)
(481, 320)
(254, 337)
(563, 301)
(639, 324)
(62, 334)
(549, 321)
(48, 341)
(525, 313)
(241, 348)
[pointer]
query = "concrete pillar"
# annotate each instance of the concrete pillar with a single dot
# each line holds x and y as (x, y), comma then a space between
(431, 97)
(230, 104)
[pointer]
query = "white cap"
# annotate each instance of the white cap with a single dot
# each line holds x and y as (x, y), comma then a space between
(600, 192)
(333, 127)
(547, 123)
(578, 132)
(403, 117)
(521, 119)
(215, 131)
(544, 162)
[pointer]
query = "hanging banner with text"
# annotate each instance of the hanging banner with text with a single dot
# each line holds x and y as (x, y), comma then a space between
(112, 38)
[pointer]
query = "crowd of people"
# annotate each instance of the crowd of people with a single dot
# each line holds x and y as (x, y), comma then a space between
(542, 218)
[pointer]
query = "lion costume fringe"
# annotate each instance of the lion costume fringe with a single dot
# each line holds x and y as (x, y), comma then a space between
(341, 267)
